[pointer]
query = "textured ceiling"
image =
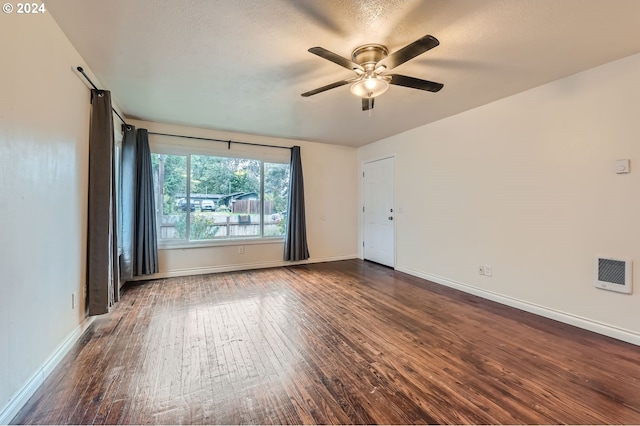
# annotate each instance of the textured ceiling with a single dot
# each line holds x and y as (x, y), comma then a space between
(241, 65)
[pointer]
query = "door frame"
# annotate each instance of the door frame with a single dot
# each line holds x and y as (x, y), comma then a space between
(391, 156)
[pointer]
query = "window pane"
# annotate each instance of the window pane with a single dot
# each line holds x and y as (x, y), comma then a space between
(226, 196)
(170, 186)
(276, 198)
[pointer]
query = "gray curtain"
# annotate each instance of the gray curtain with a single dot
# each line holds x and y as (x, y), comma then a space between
(102, 244)
(139, 240)
(146, 240)
(295, 241)
(128, 202)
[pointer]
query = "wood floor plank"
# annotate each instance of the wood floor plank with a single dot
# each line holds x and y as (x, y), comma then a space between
(347, 342)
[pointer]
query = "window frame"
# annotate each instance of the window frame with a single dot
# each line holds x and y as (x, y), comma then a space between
(264, 154)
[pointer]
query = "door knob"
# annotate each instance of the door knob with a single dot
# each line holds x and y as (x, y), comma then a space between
(390, 217)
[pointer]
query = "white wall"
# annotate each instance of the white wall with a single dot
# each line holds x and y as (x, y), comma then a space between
(527, 185)
(44, 125)
(331, 197)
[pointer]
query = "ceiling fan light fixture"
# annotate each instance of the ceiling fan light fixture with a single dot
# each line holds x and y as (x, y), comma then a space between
(369, 87)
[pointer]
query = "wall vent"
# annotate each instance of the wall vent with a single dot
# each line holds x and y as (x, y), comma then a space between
(613, 274)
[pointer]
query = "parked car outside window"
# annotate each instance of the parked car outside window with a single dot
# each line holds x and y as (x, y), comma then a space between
(183, 205)
(207, 205)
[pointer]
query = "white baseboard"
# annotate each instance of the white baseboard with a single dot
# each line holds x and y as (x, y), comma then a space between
(567, 318)
(242, 267)
(20, 398)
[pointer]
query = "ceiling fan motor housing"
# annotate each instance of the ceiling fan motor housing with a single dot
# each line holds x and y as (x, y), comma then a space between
(369, 55)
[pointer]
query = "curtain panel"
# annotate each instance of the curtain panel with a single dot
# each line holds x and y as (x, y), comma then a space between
(146, 240)
(102, 244)
(128, 202)
(295, 241)
(139, 241)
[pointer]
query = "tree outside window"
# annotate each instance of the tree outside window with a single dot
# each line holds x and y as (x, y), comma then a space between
(224, 197)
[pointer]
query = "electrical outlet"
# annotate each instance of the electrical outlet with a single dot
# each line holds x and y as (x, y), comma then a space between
(488, 270)
(241, 250)
(480, 270)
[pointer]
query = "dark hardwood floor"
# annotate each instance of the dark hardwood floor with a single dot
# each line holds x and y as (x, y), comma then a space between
(333, 343)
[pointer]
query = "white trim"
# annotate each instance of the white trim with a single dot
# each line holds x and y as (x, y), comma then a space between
(241, 267)
(564, 317)
(20, 398)
(378, 158)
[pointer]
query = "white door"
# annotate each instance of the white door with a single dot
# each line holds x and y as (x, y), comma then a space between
(379, 214)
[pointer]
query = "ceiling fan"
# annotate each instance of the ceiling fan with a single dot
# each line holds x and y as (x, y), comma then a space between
(370, 62)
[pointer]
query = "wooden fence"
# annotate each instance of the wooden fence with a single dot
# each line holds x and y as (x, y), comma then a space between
(252, 206)
(228, 226)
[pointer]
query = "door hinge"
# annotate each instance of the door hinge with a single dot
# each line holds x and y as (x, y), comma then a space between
(362, 174)
(362, 209)
(362, 243)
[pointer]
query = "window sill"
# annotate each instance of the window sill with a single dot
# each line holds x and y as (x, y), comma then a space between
(218, 243)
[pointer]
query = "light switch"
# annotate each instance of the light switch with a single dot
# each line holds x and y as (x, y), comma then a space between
(622, 166)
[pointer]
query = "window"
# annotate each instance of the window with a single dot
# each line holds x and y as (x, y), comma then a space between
(213, 198)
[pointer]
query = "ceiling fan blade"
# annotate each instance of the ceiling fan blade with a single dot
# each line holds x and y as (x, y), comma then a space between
(367, 103)
(410, 51)
(415, 83)
(327, 87)
(336, 59)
